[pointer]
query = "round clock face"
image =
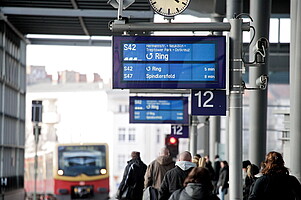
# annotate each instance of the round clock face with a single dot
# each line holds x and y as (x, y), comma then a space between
(169, 8)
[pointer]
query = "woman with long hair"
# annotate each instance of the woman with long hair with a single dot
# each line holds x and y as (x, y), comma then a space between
(197, 185)
(275, 182)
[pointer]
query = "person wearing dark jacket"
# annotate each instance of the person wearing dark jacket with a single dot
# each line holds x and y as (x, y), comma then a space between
(275, 183)
(208, 165)
(245, 165)
(174, 178)
(157, 169)
(223, 180)
(198, 186)
(132, 184)
(252, 170)
(217, 167)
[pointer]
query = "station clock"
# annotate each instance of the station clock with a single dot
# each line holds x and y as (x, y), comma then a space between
(169, 8)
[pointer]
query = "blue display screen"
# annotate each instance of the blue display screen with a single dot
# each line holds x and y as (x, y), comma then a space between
(168, 52)
(168, 62)
(171, 110)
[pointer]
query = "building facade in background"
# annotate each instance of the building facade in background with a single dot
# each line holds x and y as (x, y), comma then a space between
(12, 113)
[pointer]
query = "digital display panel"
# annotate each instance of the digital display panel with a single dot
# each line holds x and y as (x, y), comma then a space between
(81, 159)
(169, 62)
(171, 110)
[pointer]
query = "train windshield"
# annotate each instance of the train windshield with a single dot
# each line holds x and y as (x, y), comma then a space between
(76, 160)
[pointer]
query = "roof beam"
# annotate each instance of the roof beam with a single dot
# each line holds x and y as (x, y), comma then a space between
(70, 42)
(81, 20)
(108, 13)
(4, 18)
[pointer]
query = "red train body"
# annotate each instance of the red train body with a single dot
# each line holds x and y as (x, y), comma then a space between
(70, 171)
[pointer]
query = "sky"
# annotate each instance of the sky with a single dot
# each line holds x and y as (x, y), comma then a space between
(86, 60)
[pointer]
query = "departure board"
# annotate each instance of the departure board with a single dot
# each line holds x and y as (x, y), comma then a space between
(169, 62)
(171, 110)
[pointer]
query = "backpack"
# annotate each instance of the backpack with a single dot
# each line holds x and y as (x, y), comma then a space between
(150, 193)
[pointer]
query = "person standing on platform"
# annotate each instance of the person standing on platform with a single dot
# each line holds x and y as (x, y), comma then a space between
(174, 178)
(157, 169)
(216, 167)
(208, 165)
(275, 183)
(196, 159)
(222, 184)
(245, 165)
(132, 184)
(198, 185)
(252, 170)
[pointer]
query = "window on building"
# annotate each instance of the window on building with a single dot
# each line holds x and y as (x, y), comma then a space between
(158, 135)
(132, 134)
(284, 30)
(279, 31)
(13, 158)
(121, 134)
(123, 108)
(274, 30)
(121, 161)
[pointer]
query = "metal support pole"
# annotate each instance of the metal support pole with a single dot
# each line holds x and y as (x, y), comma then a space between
(214, 131)
(2, 189)
(193, 135)
(145, 27)
(214, 121)
(205, 136)
(36, 136)
(260, 12)
(295, 90)
(235, 110)
(234, 7)
(120, 9)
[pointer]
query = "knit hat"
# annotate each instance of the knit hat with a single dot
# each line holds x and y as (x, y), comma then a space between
(245, 163)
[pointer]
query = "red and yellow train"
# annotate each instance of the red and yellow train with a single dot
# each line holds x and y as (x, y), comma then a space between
(70, 171)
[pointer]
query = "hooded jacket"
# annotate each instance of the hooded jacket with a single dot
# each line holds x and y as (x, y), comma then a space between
(174, 179)
(156, 170)
(193, 191)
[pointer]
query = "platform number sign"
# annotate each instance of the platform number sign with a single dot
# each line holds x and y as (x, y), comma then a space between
(208, 102)
(180, 131)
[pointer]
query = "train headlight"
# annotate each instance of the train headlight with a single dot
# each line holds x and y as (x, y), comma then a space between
(103, 171)
(60, 172)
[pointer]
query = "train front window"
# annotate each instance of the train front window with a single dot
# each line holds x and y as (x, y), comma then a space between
(76, 160)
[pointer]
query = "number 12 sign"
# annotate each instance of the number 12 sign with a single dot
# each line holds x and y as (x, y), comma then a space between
(180, 131)
(208, 102)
